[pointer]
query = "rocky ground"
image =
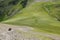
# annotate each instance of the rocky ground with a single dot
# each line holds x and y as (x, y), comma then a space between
(11, 32)
(15, 33)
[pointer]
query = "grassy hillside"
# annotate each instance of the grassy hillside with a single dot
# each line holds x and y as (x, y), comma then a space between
(40, 15)
(11, 7)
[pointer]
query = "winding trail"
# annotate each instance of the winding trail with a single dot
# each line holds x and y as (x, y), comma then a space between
(4, 28)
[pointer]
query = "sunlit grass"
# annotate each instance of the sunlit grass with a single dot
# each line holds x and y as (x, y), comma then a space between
(38, 17)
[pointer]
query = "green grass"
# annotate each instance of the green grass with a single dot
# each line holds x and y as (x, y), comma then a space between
(37, 16)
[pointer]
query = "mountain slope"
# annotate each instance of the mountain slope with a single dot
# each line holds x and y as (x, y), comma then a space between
(39, 15)
(11, 7)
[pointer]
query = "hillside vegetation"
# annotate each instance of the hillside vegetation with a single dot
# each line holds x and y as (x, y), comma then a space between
(11, 7)
(43, 16)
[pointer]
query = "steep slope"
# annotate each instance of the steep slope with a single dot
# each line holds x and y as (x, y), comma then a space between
(38, 15)
(11, 7)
